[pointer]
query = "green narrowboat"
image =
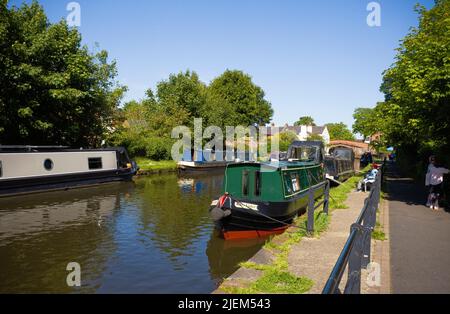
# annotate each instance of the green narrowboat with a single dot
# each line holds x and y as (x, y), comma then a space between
(263, 198)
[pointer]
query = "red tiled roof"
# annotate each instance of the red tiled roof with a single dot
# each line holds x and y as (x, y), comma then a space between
(350, 143)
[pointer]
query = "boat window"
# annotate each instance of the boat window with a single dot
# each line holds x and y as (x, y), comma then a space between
(288, 184)
(304, 153)
(295, 179)
(245, 182)
(48, 164)
(257, 183)
(95, 163)
(123, 159)
(343, 154)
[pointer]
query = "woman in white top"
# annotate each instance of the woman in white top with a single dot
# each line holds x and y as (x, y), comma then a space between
(434, 179)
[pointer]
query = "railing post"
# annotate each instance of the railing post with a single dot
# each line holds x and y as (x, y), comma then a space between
(370, 221)
(367, 242)
(353, 285)
(310, 224)
(326, 197)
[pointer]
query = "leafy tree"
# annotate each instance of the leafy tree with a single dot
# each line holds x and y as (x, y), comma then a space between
(146, 127)
(414, 115)
(365, 121)
(339, 131)
(307, 120)
(182, 91)
(52, 90)
(417, 86)
(238, 99)
(315, 137)
(181, 98)
(286, 139)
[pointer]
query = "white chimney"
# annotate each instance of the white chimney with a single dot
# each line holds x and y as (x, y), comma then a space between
(303, 132)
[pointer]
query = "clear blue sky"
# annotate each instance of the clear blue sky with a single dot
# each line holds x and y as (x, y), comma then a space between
(317, 58)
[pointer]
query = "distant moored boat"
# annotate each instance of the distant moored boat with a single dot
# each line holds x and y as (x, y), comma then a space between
(339, 165)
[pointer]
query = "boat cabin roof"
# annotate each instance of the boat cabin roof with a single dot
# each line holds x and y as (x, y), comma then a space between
(36, 149)
(274, 165)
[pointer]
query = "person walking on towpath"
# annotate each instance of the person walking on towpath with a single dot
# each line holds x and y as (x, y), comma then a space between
(434, 180)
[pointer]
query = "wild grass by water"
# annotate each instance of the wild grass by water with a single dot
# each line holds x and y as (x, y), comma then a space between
(147, 165)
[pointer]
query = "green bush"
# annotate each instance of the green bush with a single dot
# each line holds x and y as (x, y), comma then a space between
(139, 145)
(158, 148)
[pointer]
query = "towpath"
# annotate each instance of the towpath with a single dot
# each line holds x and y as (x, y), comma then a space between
(419, 238)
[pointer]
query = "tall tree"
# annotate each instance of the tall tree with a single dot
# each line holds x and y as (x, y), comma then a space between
(184, 91)
(365, 122)
(339, 131)
(52, 90)
(417, 86)
(243, 101)
(414, 115)
(306, 120)
(146, 128)
(315, 137)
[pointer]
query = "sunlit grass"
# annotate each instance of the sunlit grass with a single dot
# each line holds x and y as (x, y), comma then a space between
(378, 233)
(339, 194)
(146, 164)
(274, 281)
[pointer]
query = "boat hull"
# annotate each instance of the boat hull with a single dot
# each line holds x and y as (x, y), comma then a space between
(38, 184)
(201, 167)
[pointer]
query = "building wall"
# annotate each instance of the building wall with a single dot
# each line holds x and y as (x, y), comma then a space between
(326, 136)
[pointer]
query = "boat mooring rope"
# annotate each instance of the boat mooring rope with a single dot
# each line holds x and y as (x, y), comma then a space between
(265, 216)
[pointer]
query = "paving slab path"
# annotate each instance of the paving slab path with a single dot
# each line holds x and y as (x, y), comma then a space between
(314, 258)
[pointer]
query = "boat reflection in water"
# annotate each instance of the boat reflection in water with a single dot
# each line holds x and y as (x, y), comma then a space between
(224, 256)
(153, 235)
(40, 234)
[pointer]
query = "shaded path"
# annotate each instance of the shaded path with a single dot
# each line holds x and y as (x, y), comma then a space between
(419, 238)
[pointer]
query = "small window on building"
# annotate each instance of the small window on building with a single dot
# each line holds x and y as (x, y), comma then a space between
(48, 164)
(257, 183)
(245, 178)
(95, 163)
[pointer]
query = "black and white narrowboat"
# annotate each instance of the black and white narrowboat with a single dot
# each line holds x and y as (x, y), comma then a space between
(29, 169)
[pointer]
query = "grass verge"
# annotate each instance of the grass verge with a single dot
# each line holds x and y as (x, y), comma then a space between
(378, 233)
(147, 165)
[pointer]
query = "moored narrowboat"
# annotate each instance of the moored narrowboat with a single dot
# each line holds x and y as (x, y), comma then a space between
(264, 198)
(203, 161)
(29, 169)
(339, 164)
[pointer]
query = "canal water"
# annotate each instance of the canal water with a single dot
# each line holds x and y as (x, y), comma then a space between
(152, 235)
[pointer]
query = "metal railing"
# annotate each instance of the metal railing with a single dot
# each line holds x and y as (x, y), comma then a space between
(356, 251)
(312, 206)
